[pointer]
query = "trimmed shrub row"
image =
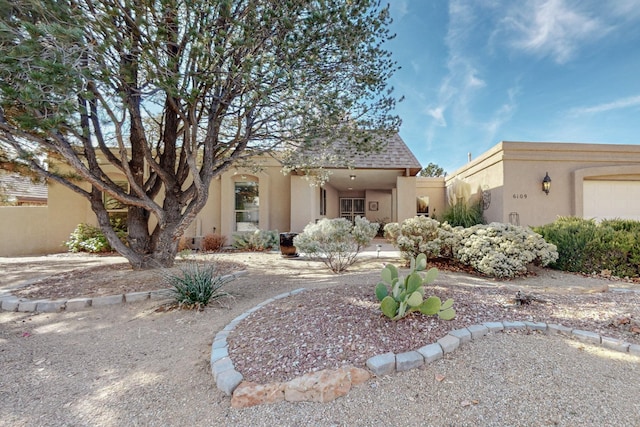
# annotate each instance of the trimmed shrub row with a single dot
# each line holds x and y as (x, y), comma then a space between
(588, 247)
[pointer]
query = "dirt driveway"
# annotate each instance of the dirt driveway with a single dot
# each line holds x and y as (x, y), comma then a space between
(134, 365)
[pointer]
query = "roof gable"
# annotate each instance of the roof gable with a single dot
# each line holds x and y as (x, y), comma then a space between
(22, 188)
(396, 155)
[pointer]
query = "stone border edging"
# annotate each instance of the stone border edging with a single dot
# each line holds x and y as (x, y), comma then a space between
(227, 378)
(12, 303)
(224, 373)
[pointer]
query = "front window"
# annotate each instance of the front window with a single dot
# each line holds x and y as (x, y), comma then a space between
(117, 210)
(323, 201)
(422, 207)
(247, 206)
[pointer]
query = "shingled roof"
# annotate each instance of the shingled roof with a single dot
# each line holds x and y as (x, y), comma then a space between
(22, 190)
(396, 155)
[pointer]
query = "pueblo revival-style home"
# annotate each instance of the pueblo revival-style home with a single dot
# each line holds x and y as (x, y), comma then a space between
(524, 183)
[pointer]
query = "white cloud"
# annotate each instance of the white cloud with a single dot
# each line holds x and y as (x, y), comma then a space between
(618, 104)
(552, 28)
(503, 114)
(463, 80)
(437, 114)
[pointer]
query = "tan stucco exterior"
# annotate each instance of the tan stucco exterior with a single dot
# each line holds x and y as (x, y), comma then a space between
(511, 173)
(508, 177)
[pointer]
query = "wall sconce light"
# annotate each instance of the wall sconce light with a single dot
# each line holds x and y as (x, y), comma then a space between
(546, 183)
(352, 177)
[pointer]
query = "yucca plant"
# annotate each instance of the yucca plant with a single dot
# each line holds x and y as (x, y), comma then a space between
(197, 284)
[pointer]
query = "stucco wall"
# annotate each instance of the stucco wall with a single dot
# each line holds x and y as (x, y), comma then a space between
(25, 231)
(305, 204)
(333, 202)
(406, 197)
(513, 173)
(66, 209)
(383, 201)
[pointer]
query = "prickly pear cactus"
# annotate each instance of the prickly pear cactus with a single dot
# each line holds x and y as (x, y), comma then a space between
(400, 296)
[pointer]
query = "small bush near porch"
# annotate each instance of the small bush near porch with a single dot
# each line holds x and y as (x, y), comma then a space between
(337, 241)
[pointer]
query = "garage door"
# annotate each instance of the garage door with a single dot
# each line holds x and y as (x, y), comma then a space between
(612, 199)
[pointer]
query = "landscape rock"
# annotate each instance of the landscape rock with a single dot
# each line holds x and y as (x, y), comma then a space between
(322, 386)
(357, 375)
(250, 394)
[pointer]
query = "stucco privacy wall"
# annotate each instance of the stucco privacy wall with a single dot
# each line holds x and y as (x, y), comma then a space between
(406, 197)
(512, 173)
(35, 230)
(305, 203)
(23, 230)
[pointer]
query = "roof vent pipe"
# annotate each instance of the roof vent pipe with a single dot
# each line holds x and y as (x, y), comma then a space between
(469, 156)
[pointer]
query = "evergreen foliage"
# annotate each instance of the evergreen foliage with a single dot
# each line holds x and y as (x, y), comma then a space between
(171, 94)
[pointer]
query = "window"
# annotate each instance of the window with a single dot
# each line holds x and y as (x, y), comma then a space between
(350, 208)
(422, 207)
(113, 205)
(323, 201)
(247, 206)
(116, 209)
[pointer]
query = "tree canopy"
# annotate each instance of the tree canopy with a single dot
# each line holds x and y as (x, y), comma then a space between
(432, 170)
(171, 93)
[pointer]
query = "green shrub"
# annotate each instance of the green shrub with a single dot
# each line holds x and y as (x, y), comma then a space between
(197, 284)
(87, 238)
(628, 225)
(588, 247)
(400, 296)
(464, 214)
(571, 236)
(614, 250)
(259, 240)
(336, 242)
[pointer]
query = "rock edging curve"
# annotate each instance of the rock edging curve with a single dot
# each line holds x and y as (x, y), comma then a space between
(10, 302)
(227, 378)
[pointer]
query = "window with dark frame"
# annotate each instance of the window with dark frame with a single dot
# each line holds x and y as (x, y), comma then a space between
(323, 201)
(247, 206)
(117, 210)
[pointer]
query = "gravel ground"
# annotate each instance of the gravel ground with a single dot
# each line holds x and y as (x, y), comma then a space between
(134, 365)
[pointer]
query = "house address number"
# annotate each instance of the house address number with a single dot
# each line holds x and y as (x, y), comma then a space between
(520, 196)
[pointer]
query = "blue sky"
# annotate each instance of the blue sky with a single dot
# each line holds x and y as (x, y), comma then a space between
(477, 72)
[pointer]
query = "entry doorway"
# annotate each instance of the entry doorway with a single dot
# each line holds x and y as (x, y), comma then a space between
(351, 207)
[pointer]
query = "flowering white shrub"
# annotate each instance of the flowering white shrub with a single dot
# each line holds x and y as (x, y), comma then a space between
(503, 250)
(336, 241)
(417, 235)
(498, 250)
(450, 239)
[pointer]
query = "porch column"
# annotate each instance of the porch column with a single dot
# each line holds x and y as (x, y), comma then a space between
(406, 197)
(304, 203)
